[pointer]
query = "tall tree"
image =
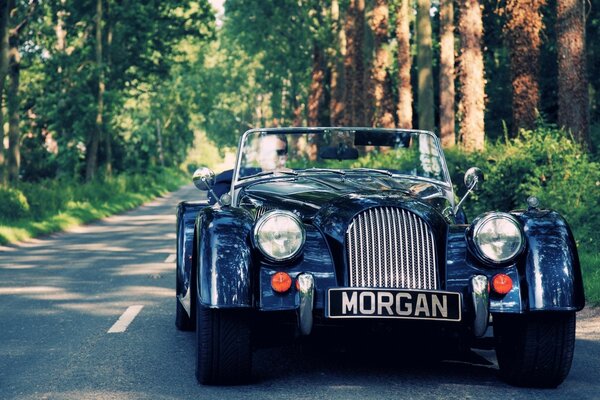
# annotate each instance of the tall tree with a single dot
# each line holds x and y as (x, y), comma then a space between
(447, 134)
(336, 52)
(573, 95)
(3, 73)
(354, 73)
(425, 107)
(317, 105)
(316, 97)
(97, 133)
(405, 97)
(17, 27)
(522, 31)
(472, 83)
(382, 99)
(14, 137)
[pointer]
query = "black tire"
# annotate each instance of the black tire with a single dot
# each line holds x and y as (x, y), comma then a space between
(224, 347)
(535, 350)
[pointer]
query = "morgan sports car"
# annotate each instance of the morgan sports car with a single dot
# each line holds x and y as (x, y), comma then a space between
(346, 230)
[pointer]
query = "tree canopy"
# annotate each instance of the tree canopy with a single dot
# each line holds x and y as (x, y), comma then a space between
(96, 86)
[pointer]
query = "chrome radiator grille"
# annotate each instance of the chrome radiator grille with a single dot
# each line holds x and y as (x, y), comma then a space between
(390, 247)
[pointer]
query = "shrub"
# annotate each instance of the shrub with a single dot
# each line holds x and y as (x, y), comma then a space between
(544, 162)
(13, 204)
(47, 197)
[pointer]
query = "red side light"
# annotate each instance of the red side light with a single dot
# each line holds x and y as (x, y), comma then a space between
(281, 282)
(502, 284)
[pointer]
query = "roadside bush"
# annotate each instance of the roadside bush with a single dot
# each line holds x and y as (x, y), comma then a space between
(544, 162)
(47, 197)
(13, 204)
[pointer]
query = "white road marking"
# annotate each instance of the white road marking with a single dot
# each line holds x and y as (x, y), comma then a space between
(171, 258)
(125, 319)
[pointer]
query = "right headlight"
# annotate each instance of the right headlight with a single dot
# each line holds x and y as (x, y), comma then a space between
(279, 235)
(496, 237)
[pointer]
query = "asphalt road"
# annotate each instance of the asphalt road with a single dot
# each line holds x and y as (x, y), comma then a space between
(60, 296)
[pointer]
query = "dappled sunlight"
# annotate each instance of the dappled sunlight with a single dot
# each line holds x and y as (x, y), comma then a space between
(28, 290)
(99, 309)
(134, 220)
(144, 269)
(149, 291)
(165, 250)
(18, 266)
(589, 328)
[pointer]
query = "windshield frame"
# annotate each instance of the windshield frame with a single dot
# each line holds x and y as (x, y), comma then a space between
(236, 181)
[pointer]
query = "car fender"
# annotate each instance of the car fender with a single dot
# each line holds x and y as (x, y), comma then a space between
(224, 257)
(551, 264)
(186, 221)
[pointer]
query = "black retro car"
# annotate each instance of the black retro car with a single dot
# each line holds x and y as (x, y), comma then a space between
(358, 229)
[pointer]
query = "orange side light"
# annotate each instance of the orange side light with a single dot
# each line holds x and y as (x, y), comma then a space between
(502, 284)
(281, 282)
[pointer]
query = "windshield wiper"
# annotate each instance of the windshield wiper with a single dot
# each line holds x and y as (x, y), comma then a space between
(335, 171)
(379, 171)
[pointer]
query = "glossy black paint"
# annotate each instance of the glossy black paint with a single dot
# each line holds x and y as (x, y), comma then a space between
(461, 265)
(316, 259)
(186, 224)
(551, 264)
(231, 273)
(224, 257)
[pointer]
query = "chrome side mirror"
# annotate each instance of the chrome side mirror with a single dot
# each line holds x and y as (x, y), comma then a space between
(473, 181)
(204, 178)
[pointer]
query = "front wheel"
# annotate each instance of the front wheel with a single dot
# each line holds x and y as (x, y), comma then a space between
(535, 350)
(224, 346)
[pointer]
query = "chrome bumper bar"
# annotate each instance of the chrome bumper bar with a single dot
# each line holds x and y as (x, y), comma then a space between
(481, 304)
(306, 291)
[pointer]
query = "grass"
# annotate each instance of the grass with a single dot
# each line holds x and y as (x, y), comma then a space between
(59, 206)
(590, 265)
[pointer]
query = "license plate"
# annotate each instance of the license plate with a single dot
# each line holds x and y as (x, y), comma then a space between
(393, 303)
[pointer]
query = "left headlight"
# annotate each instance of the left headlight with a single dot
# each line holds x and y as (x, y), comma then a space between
(496, 237)
(279, 235)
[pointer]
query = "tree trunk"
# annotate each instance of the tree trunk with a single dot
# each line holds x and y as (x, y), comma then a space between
(96, 134)
(573, 96)
(472, 101)
(108, 132)
(317, 88)
(3, 73)
(360, 94)
(161, 153)
(349, 64)
(354, 96)
(14, 142)
(405, 97)
(425, 105)
(522, 31)
(336, 84)
(447, 134)
(383, 105)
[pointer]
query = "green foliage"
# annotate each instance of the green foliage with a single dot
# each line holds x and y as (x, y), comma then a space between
(151, 53)
(13, 204)
(48, 206)
(545, 163)
(548, 164)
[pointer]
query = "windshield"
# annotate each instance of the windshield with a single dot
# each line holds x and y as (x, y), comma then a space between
(341, 151)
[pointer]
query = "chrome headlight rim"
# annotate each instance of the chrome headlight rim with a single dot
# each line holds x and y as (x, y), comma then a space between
(264, 219)
(476, 227)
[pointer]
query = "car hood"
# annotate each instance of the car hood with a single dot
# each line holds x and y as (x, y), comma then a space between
(314, 196)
